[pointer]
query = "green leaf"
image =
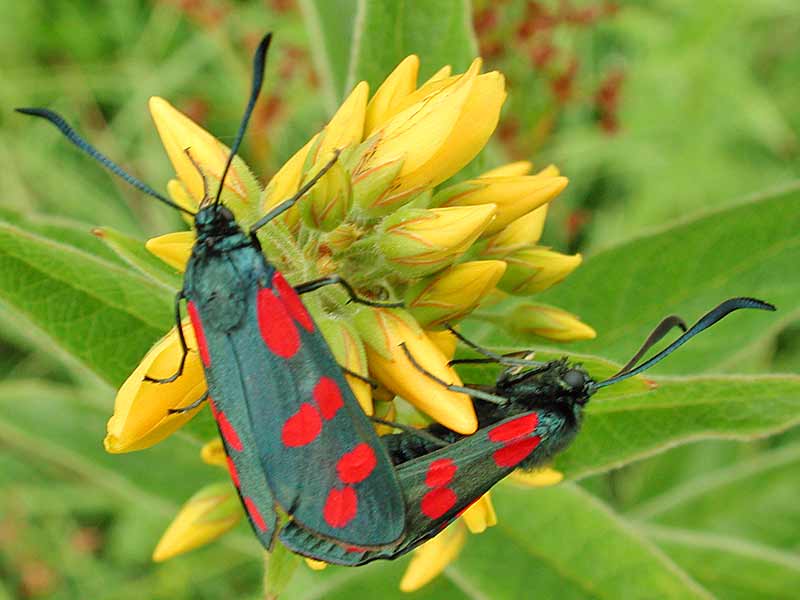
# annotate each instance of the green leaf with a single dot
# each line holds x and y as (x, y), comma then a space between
(382, 33)
(563, 543)
(98, 311)
(622, 428)
(729, 567)
(686, 269)
(754, 500)
(133, 252)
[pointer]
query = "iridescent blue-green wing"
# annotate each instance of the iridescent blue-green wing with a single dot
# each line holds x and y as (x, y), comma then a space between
(439, 486)
(324, 463)
(227, 398)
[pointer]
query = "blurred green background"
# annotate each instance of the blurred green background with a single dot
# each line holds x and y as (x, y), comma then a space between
(656, 111)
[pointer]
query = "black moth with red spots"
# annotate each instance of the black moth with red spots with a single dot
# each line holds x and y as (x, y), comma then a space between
(294, 433)
(533, 411)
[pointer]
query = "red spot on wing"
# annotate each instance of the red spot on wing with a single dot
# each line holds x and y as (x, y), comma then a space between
(213, 406)
(232, 470)
(199, 334)
(328, 397)
(341, 507)
(228, 432)
(354, 549)
(277, 328)
(255, 514)
(437, 502)
(302, 427)
(292, 301)
(355, 466)
(440, 472)
(513, 430)
(514, 453)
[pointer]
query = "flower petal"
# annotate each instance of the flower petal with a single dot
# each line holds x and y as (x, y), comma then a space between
(399, 84)
(173, 248)
(430, 559)
(208, 514)
(383, 332)
(141, 409)
(480, 515)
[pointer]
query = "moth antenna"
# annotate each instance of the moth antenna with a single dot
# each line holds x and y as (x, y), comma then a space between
(655, 336)
(259, 61)
(61, 124)
(710, 318)
(206, 196)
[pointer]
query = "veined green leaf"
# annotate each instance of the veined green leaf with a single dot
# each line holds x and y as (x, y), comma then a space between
(98, 311)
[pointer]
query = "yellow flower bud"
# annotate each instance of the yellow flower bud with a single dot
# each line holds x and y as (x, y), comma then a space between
(326, 205)
(173, 248)
(178, 132)
(399, 84)
(443, 73)
(372, 187)
(141, 410)
(514, 196)
(549, 171)
(418, 241)
(348, 350)
(383, 331)
(316, 565)
(525, 231)
(441, 132)
(514, 169)
(213, 453)
(431, 558)
(180, 196)
(346, 127)
(208, 514)
(480, 515)
(453, 293)
(285, 183)
(535, 269)
(444, 341)
(534, 479)
(549, 322)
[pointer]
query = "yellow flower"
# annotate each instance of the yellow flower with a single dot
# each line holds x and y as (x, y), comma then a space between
(419, 241)
(394, 89)
(525, 231)
(549, 322)
(213, 453)
(514, 196)
(535, 269)
(544, 477)
(141, 410)
(438, 132)
(383, 332)
(179, 133)
(432, 557)
(453, 293)
(173, 248)
(480, 515)
(208, 514)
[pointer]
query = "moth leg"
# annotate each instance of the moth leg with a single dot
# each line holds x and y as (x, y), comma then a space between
(178, 297)
(475, 393)
(315, 284)
(420, 433)
(369, 380)
(503, 359)
(191, 406)
(290, 202)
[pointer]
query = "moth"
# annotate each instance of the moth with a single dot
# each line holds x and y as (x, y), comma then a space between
(294, 433)
(533, 411)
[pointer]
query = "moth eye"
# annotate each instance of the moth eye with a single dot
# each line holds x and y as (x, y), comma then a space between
(574, 378)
